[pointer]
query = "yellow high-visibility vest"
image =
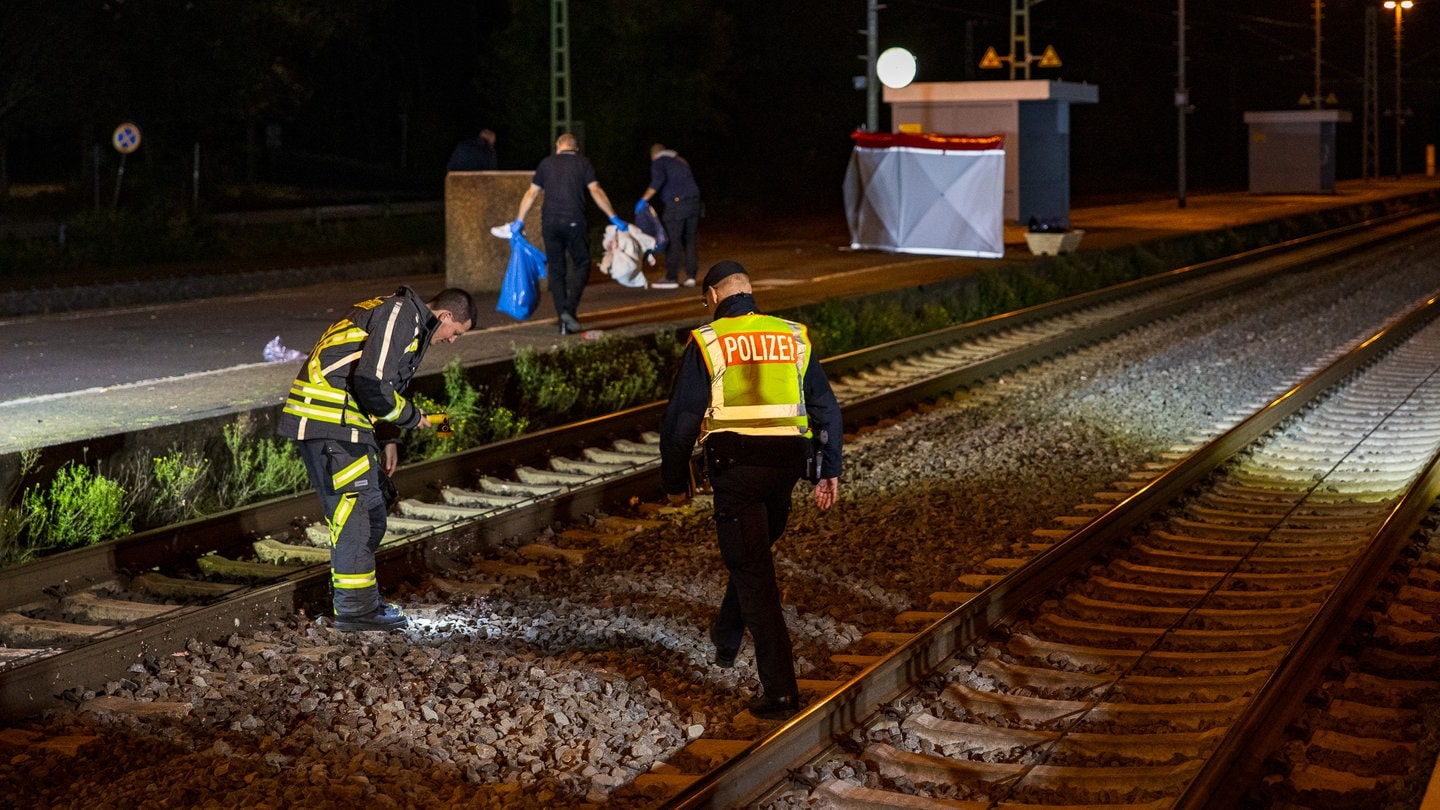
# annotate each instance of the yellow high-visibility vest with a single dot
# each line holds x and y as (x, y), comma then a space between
(757, 370)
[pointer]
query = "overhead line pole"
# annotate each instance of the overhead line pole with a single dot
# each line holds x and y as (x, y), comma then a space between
(1370, 101)
(872, 82)
(1182, 106)
(1399, 6)
(560, 121)
(1319, 6)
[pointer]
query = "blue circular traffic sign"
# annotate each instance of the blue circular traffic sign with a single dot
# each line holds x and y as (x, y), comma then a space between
(126, 138)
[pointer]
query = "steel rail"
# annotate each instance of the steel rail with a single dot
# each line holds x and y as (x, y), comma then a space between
(753, 772)
(1329, 245)
(227, 531)
(1238, 759)
(28, 687)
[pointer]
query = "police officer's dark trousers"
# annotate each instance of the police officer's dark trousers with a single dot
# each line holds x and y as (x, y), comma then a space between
(347, 478)
(752, 505)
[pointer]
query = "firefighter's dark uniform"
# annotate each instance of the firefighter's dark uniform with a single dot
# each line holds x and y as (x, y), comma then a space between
(350, 387)
(749, 389)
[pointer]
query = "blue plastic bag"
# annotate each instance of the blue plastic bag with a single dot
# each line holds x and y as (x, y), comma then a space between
(520, 290)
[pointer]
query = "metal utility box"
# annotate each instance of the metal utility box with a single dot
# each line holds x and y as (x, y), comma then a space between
(1293, 151)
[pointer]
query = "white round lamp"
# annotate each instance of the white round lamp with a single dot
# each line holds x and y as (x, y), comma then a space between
(895, 67)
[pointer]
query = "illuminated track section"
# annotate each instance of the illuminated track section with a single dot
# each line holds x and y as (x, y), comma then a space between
(82, 616)
(1150, 658)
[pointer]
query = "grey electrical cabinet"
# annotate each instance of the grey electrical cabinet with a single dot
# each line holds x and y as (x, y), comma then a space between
(1293, 151)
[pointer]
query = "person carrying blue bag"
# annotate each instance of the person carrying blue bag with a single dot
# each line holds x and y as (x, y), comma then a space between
(565, 177)
(520, 290)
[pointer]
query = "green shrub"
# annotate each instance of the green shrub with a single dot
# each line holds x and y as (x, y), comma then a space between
(472, 422)
(80, 508)
(14, 518)
(170, 489)
(14, 524)
(833, 326)
(591, 378)
(996, 294)
(259, 467)
(1032, 288)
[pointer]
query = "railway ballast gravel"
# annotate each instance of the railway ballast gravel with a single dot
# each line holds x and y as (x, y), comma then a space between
(560, 690)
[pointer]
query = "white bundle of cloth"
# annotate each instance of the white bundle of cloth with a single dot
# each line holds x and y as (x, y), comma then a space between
(624, 250)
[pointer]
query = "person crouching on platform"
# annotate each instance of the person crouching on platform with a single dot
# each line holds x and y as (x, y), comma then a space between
(345, 411)
(749, 389)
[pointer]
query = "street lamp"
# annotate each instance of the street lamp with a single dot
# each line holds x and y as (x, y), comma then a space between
(896, 68)
(1400, 6)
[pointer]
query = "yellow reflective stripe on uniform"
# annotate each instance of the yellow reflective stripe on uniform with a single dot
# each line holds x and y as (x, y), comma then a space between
(305, 412)
(340, 333)
(395, 413)
(352, 582)
(742, 412)
(756, 430)
(354, 470)
(339, 364)
(328, 415)
(343, 510)
(304, 391)
(385, 336)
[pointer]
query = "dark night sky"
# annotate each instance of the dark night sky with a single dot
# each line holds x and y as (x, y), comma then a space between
(758, 95)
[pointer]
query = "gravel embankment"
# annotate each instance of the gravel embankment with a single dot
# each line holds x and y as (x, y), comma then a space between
(572, 685)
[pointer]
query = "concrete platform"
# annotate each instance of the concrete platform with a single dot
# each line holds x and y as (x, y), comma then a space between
(101, 372)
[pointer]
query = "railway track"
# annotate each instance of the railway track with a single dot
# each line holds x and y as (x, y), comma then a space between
(1145, 660)
(600, 463)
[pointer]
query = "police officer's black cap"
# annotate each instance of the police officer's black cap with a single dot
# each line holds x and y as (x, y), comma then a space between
(721, 270)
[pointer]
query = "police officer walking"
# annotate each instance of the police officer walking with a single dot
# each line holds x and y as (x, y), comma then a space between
(348, 390)
(749, 389)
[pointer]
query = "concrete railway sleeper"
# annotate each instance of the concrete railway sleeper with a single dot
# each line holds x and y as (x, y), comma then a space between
(1122, 680)
(40, 624)
(42, 628)
(487, 560)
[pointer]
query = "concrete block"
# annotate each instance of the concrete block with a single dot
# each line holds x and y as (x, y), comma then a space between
(475, 202)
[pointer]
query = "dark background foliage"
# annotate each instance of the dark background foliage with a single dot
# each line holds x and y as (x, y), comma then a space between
(369, 96)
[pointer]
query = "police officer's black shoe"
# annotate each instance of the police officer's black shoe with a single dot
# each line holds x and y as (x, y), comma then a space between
(385, 617)
(724, 656)
(780, 707)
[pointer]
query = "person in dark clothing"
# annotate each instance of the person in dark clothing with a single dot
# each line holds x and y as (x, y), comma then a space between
(474, 155)
(673, 184)
(565, 177)
(750, 391)
(345, 411)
